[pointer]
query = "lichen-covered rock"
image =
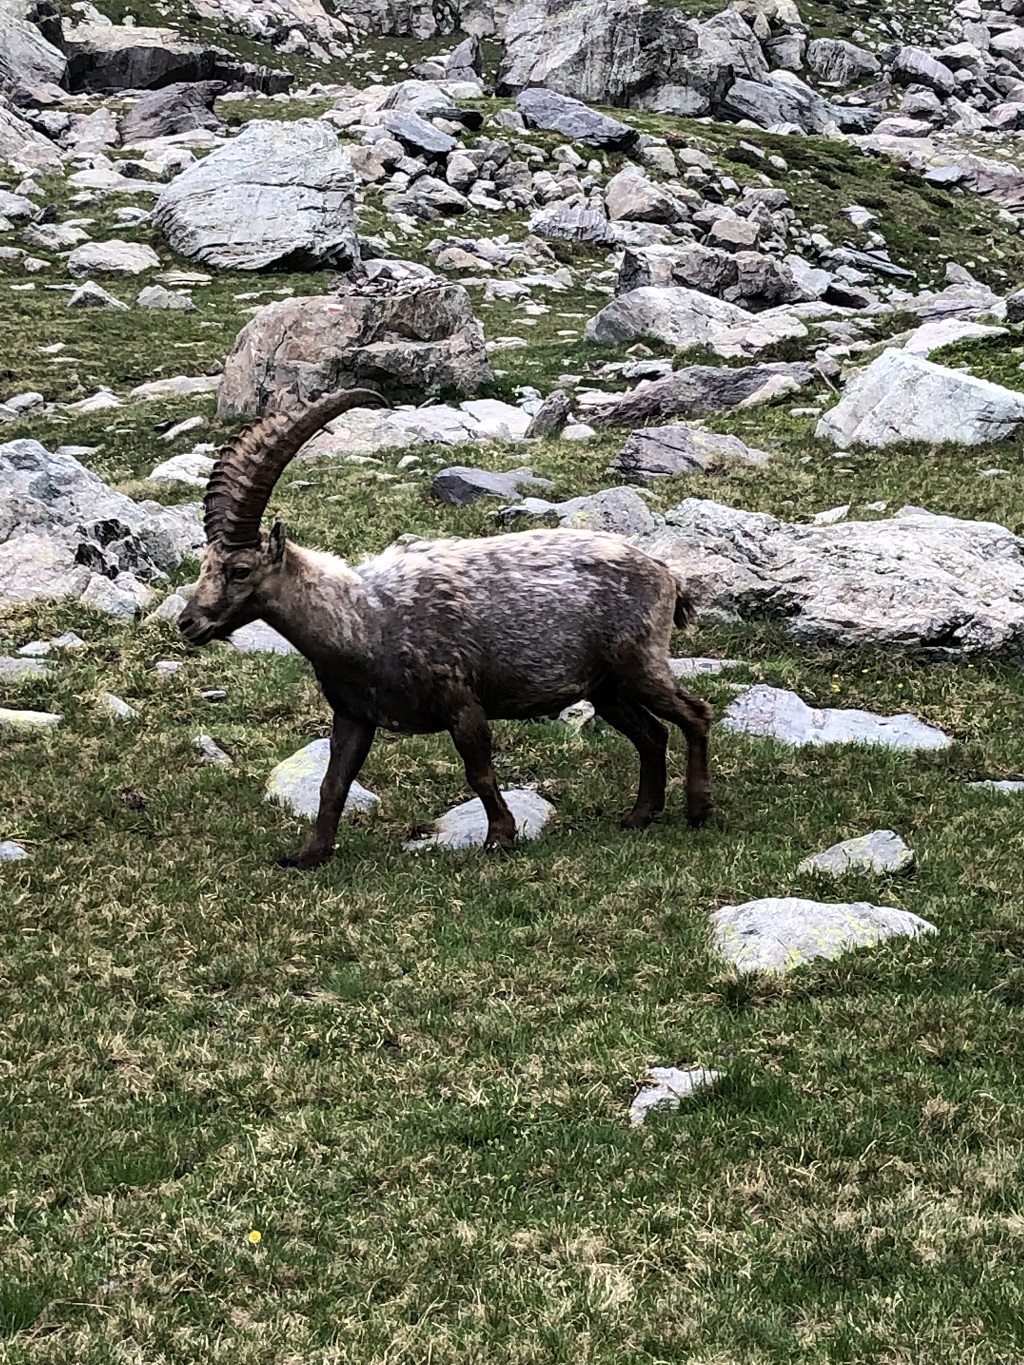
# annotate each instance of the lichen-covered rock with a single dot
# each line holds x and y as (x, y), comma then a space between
(418, 336)
(295, 783)
(882, 851)
(903, 397)
(778, 934)
(279, 194)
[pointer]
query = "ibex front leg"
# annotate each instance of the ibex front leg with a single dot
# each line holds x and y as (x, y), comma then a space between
(350, 743)
(472, 736)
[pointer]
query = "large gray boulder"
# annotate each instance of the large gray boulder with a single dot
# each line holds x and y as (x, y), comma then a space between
(914, 66)
(704, 268)
(655, 453)
(109, 57)
(700, 390)
(178, 108)
(902, 396)
(419, 336)
(555, 113)
(26, 57)
(839, 62)
(791, 102)
(780, 933)
(21, 143)
(933, 585)
(728, 40)
(626, 53)
(279, 194)
(685, 317)
(64, 532)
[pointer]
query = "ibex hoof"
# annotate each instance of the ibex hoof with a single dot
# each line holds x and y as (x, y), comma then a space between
(701, 814)
(640, 819)
(502, 840)
(303, 861)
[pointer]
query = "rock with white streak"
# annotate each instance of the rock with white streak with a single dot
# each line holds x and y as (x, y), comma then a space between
(903, 397)
(778, 934)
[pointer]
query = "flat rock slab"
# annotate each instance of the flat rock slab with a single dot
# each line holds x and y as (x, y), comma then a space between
(465, 826)
(780, 933)
(295, 783)
(461, 485)
(655, 453)
(27, 720)
(698, 668)
(665, 1087)
(903, 397)
(573, 119)
(10, 852)
(773, 712)
(879, 852)
(259, 638)
(17, 670)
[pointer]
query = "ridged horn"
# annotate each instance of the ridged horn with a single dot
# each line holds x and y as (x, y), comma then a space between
(250, 464)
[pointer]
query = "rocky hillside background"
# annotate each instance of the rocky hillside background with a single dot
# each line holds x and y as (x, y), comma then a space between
(744, 285)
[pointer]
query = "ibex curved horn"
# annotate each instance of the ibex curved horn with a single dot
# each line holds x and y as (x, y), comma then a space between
(250, 464)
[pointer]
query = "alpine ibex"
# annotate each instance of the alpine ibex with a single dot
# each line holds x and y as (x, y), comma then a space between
(449, 634)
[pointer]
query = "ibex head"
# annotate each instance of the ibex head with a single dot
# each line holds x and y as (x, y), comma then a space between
(241, 561)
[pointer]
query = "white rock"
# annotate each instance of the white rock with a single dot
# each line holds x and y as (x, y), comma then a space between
(465, 826)
(169, 610)
(116, 707)
(27, 720)
(192, 468)
(902, 397)
(11, 852)
(181, 386)
(879, 852)
(778, 934)
(209, 751)
(259, 638)
(122, 598)
(90, 295)
(946, 332)
(773, 712)
(295, 783)
(665, 1087)
(112, 258)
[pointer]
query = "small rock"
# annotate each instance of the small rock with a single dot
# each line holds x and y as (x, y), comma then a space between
(169, 610)
(1002, 785)
(259, 638)
(156, 296)
(698, 668)
(10, 852)
(90, 295)
(117, 708)
(166, 668)
(880, 851)
(295, 782)
(112, 258)
(122, 599)
(209, 751)
(578, 715)
(461, 485)
(69, 640)
(665, 1087)
(213, 694)
(831, 516)
(778, 934)
(27, 720)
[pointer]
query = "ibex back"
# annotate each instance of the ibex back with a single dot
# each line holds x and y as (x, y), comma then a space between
(450, 634)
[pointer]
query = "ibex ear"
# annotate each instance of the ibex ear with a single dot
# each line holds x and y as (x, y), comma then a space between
(276, 542)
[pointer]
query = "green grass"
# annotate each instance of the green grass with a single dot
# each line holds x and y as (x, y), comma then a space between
(410, 1074)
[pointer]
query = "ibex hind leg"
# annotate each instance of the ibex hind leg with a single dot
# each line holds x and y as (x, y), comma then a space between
(472, 737)
(692, 714)
(350, 743)
(650, 738)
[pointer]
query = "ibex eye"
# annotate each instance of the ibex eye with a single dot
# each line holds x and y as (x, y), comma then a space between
(241, 571)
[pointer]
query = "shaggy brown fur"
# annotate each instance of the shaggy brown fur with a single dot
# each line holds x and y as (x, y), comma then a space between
(450, 634)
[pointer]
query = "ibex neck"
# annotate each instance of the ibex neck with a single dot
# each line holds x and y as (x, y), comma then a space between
(317, 604)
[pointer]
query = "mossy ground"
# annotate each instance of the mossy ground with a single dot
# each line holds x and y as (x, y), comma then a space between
(409, 1074)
